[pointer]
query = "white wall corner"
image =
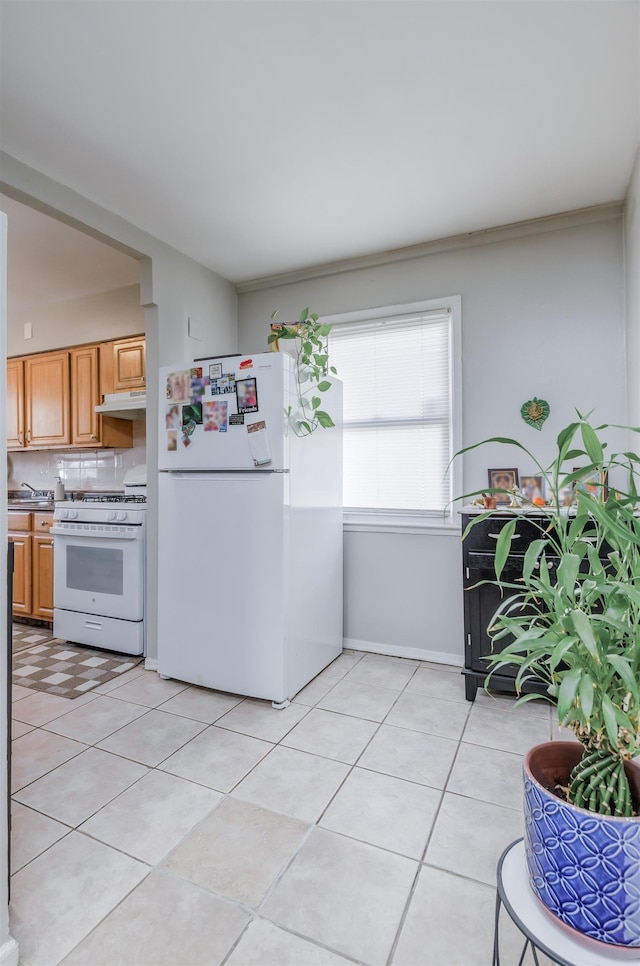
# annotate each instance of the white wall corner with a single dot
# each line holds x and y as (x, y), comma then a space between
(413, 653)
(9, 953)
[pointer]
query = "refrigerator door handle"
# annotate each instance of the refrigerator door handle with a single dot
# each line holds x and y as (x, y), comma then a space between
(222, 476)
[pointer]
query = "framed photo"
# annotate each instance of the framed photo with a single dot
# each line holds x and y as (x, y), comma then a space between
(503, 479)
(532, 487)
(597, 484)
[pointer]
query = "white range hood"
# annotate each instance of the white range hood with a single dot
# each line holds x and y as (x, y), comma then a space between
(125, 405)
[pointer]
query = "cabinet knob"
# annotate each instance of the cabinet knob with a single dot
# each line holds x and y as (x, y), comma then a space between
(92, 436)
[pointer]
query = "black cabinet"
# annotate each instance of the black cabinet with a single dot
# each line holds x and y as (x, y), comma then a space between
(481, 600)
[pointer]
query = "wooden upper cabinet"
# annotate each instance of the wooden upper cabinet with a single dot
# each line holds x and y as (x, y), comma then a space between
(15, 403)
(46, 384)
(85, 395)
(129, 370)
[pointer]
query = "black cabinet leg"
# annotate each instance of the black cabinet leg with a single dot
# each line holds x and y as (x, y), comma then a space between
(470, 687)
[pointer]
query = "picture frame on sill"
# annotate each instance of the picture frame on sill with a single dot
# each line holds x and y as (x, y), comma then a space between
(595, 483)
(503, 479)
(532, 487)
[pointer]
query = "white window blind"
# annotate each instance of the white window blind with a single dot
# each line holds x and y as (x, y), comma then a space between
(398, 436)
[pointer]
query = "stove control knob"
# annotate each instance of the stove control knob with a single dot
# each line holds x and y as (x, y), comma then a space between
(111, 515)
(71, 514)
(121, 515)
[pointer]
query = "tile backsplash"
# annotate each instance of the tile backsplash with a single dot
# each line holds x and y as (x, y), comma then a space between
(101, 469)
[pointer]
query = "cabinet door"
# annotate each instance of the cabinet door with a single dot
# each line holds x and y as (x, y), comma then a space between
(84, 395)
(47, 399)
(21, 573)
(129, 364)
(42, 570)
(15, 403)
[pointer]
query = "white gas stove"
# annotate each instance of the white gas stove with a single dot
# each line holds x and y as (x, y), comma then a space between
(99, 569)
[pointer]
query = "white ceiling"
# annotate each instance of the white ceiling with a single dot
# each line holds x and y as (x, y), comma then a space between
(264, 137)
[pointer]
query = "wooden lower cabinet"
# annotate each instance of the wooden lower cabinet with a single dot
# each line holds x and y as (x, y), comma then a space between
(32, 564)
(42, 574)
(21, 573)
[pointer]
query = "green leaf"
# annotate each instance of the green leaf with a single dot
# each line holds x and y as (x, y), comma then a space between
(568, 572)
(333, 370)
(586, 690)
(623, 668)
(591, 442)
(305, 426)
(324, 329)
(303, 315)
(503, 546)
(323, 386)
(610, 721)
(315, 402)
(324, 419)
(568, 691)
(584, 630)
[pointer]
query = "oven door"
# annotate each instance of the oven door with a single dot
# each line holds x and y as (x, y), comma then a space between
(101, 575)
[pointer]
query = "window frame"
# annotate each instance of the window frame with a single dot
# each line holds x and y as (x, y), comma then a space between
(367, 520)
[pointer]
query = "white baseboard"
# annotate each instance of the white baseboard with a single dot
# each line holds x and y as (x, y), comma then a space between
(9, 953)
(414, 653)
(151, 663)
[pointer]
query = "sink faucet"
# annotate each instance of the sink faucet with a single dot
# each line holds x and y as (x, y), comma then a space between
(28, 485)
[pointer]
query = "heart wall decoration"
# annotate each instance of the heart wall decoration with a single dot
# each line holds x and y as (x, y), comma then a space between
(534, 412)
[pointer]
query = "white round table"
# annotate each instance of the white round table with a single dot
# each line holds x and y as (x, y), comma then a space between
(541, 930)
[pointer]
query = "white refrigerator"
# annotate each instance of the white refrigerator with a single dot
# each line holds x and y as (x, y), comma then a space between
(250, 529)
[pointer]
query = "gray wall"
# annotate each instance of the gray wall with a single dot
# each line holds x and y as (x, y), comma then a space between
(173, 288)
(93, 318)
(632, 286)
(543, 315)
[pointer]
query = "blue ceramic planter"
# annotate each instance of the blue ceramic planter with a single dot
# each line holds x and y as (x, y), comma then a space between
(584, 867)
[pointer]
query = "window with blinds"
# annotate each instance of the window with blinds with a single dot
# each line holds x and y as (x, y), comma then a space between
(397, 371)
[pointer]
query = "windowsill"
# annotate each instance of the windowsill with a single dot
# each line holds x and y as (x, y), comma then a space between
(379, 523)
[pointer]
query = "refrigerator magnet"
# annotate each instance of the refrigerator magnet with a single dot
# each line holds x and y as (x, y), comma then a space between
(178, 386)
(196, 372)
(247, 395)
(215, 416)
(192, 413)
(186, 440)
(172, 417)
(259, 442)
(226, 383)
(197, 389)
(215, 370)
(172, 440)
(236, 419)
(188, 427)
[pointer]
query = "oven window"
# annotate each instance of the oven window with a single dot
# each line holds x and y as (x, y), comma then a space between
(95, 569)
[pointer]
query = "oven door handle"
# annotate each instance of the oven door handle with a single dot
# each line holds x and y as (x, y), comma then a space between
(93, 534)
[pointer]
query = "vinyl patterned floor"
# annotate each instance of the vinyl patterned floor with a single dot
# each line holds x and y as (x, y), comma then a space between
(159, 823)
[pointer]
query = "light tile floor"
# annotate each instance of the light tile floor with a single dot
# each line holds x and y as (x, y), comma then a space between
(158, 823)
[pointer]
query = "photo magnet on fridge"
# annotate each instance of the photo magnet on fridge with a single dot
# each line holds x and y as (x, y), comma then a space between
(197, 389)
(215, 415)
(226, 383)
(192, 413)
(215, 370)
(172, 440)
(247, 395)
(196, 372)
(172, 418)
(178, 386)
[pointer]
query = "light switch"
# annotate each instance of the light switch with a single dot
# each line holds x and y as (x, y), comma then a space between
(28, 330)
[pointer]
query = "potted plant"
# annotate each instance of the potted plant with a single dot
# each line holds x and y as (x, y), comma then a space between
(571, 623)
(311, 356)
